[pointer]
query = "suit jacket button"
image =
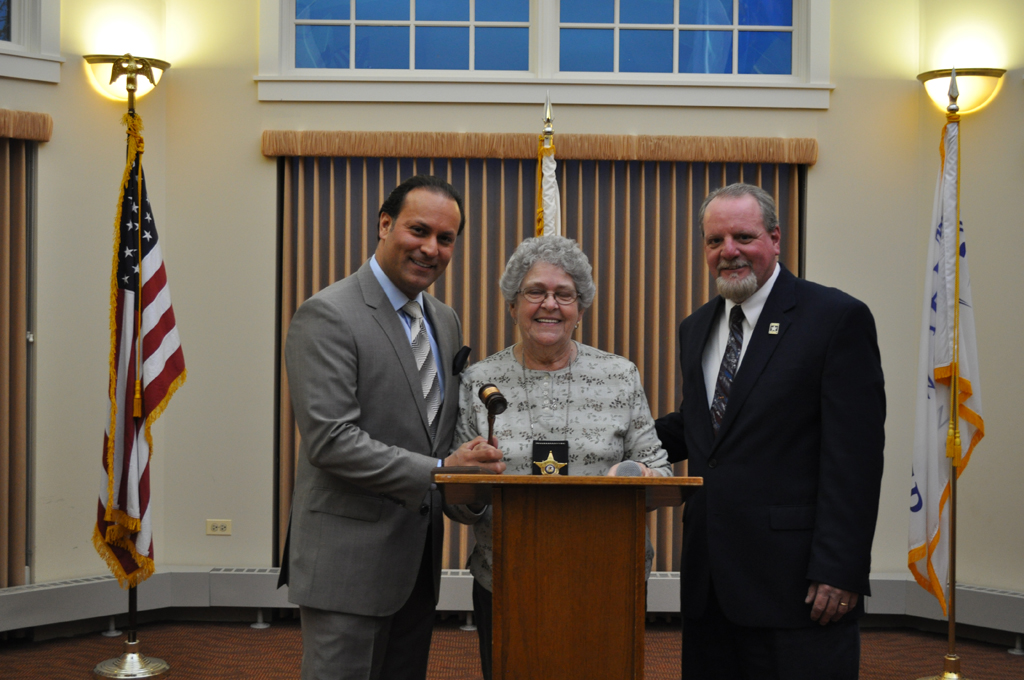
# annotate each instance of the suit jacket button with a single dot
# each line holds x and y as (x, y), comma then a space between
(424, 509)
(712, 463)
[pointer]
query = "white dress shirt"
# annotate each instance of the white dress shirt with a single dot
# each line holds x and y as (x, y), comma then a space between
(714, 350)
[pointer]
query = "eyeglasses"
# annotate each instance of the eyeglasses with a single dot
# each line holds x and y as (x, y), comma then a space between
(539, 295)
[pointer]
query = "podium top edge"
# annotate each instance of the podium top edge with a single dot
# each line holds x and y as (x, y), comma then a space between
(558, 480)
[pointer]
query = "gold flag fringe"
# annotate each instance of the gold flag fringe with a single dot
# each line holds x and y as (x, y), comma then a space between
(34, 127)
(126, 580)
(524, 145)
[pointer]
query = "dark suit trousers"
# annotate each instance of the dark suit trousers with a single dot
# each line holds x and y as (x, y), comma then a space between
(337, 646)
(482, 616)
(714, 648)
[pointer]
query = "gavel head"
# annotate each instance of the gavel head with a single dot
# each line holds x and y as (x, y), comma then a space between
(493, 399)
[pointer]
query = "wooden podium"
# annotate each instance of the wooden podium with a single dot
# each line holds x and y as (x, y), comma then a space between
(569, 588)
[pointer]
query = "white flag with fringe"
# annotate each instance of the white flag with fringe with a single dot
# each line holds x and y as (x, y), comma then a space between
(948, 354)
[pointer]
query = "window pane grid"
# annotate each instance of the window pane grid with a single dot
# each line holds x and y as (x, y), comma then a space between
(706, 50)
(323, 50)
(654, 37)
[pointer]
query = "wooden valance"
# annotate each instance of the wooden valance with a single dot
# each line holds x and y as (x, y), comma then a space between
(34, 127)
(524, 145)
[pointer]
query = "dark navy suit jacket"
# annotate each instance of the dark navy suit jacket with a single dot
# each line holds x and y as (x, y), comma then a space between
(791, 482)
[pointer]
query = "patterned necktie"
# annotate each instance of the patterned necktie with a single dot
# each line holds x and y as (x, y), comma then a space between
(425, 363)
(730, 362)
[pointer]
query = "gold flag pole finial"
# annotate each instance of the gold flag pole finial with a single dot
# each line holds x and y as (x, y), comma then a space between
(549, 130)
(131, 67)
(954, 93)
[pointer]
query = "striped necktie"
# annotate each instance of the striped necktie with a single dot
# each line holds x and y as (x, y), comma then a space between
(727, 371)
(425, 363)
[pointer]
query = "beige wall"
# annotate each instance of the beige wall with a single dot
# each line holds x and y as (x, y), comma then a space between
(869, 209)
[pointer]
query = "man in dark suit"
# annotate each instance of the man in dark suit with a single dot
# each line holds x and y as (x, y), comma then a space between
(783, 416)
(375, 392)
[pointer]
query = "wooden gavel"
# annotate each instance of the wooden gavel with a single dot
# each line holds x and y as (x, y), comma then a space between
(495, 403)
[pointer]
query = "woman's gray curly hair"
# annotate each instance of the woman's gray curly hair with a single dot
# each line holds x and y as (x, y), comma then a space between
(559, 251)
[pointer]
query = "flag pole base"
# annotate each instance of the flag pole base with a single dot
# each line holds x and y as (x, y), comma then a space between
(132, 664)
(950, 670)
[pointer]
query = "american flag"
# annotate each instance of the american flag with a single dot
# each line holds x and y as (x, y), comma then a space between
(124, 531)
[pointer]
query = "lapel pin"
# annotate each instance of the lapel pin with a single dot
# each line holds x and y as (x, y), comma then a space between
(773, 329)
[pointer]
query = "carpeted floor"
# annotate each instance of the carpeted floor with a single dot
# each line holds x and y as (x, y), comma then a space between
(223, 651)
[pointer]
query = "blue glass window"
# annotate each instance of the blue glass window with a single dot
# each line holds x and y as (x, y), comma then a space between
(586, 49)
(382, 47)
(322, 9)
(705, 51)
(645, 51)
(587, 12)
(387, 10)
(766, 52)
(321, 46)
(442, 47)
(441, 10)
(502, 49)
(498, 33)
(706, 12)
(766, 12)
(646, 12)
(5, 21)
(501, 10)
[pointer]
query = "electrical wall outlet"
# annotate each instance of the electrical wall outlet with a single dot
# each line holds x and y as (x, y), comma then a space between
(218, 527)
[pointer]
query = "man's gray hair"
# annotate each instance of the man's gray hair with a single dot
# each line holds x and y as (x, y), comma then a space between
(738, 190)
(559, 251)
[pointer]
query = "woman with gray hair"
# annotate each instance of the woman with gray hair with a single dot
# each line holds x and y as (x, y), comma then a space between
(557, 389)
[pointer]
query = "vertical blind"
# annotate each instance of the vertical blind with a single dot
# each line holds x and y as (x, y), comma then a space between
(635, 220)
(19, 133)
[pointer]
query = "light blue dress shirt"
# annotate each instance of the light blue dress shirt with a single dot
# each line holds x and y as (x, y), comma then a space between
(398, 300)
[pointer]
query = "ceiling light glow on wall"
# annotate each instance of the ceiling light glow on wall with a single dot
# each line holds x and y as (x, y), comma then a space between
(978, 86)
(101, 66)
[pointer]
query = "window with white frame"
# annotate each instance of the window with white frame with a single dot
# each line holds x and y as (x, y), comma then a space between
(30, 40)
(715, 52)
(5, 20)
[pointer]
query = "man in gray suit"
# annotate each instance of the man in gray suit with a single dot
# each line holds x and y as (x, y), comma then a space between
(371, 366)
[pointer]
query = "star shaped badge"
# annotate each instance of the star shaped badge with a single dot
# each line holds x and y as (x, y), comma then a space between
(549, 466)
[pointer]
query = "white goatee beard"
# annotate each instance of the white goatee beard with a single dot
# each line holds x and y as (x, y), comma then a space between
(737, 291)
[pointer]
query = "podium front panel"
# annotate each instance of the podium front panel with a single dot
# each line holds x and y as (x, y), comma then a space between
(569, 587)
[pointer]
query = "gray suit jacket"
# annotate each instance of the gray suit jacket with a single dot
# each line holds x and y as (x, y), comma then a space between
(363, 502)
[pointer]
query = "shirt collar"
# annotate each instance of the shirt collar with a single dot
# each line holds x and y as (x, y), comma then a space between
(753, 305)
(395, 296)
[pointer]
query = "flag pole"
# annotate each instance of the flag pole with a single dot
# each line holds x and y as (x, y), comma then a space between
(951, 662)
(132, 663)
(132, 67)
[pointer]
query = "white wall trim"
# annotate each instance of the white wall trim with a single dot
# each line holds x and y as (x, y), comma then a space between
(100, 596)
(762, 96)
(26, 66)
(34, 50)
